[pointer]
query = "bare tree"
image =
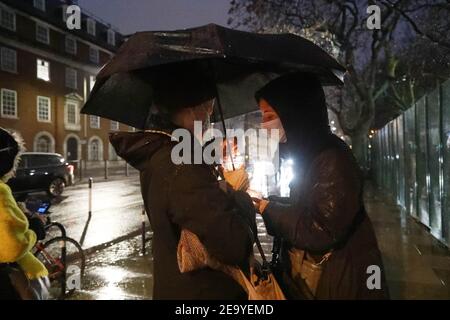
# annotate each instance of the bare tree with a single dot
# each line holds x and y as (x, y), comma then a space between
(370, 56)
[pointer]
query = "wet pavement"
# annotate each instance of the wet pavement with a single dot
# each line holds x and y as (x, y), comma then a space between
(119, 272)
(116, 210)
(417, 265)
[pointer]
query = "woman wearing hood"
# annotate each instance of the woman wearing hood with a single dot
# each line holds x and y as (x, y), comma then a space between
(16, 239)
(187, 196)
(324, 217)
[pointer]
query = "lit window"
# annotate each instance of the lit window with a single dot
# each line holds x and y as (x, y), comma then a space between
(43, 70)
(71, 78)
(71, 45)
(42, 33)
(93, 55)
(8, 60)
(114, 126)
(43, 109)
(90, 26)
(39, 4)
(95, 122)
(111, 37)
(72, 113)
(92, 82)
(7, 19)
(8, 103)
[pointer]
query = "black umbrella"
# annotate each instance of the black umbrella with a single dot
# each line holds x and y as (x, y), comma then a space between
(238, 62)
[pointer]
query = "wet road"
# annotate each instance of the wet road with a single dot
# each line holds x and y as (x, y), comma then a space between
(116, 210)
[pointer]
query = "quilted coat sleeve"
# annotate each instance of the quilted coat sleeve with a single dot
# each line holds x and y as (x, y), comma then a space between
(328, 208)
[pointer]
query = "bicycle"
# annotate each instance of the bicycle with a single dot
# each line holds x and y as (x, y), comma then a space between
(62, 256)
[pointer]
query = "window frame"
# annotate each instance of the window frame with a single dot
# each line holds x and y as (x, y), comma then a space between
(49, 120)
(40, 25)
(13, 27)
(91, 27)
(91, 118)
(16, 106)
(96, 60)
(75, 46)
(111, 35)
(6, 49)
(37, 6)
(75, 73)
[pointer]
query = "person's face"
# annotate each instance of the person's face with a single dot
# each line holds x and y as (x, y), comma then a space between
(271, 120)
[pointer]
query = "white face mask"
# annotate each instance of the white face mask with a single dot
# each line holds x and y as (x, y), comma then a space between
(275, 124)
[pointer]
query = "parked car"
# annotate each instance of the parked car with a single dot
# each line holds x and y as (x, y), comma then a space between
(39, 171)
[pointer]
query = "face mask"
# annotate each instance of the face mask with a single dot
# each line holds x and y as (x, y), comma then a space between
(275, 124)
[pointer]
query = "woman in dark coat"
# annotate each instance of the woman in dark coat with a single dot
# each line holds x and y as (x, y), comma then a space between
(325, 210)
(186, 196)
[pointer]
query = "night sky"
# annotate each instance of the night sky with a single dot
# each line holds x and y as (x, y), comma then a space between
(130, 16)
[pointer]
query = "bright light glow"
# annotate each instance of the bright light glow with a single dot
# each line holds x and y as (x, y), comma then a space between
(342, 137)
(333, 128)
(332, 121)
(262, 170)
(286, 176)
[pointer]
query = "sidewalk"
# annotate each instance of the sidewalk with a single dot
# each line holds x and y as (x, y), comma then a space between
(417, 265)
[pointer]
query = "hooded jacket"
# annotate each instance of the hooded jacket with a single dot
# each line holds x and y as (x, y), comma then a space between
(186, 196)
(16, 239)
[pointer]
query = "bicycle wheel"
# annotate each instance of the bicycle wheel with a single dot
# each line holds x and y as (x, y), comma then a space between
(65, 261)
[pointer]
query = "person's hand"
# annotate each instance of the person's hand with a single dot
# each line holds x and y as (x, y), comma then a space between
(238, 179)
(260, 205)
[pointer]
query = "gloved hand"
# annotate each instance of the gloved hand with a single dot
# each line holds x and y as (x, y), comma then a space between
(238, 179)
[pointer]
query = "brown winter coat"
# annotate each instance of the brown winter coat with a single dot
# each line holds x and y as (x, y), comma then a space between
(188, 197)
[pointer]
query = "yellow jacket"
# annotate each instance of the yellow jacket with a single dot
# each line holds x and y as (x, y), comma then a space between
(16, 240)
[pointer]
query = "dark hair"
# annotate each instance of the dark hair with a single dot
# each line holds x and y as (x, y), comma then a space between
(9, 149)
(181, 87)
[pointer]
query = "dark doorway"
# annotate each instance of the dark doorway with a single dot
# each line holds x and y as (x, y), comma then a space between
(72, 149)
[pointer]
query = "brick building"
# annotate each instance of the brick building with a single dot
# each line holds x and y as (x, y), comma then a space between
(46, 74)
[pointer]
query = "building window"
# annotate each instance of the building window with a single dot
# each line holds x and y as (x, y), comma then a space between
(42, 33)
(39, 4)
(8, 103)
(111, 37)
(72, 116)
(71, 45)
(95, 149)
(8, 60)
(90, 26)
(43, 144)
(71, 78)
(43, 70)
(43, 109)
(95, 122)
(93, 55)
(114, 126)
(7, 19)
(92, 82)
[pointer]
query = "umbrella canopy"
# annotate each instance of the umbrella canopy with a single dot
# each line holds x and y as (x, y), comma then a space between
(238, 62)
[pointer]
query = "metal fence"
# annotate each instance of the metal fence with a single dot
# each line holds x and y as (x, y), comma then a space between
(411, 161)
